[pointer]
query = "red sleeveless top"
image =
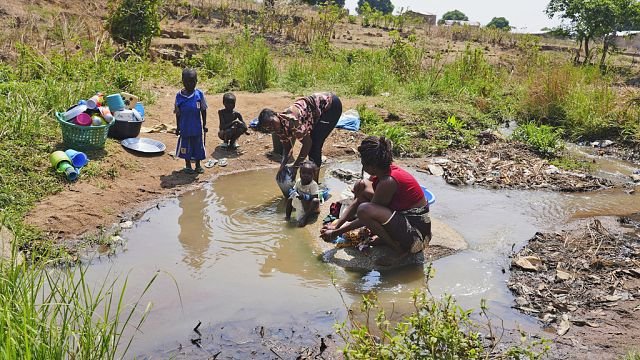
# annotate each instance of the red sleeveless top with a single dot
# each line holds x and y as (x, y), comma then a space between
(408, 192)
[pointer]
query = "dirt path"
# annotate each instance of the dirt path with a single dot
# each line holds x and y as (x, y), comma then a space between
(97, 202)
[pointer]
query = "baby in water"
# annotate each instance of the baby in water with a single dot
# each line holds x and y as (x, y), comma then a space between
(304, 195)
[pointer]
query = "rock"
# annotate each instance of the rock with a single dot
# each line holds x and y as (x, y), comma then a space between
(435, 169)
(444, 242)
(126, 225)
(532, 263)
(635, 177)
(345, 175)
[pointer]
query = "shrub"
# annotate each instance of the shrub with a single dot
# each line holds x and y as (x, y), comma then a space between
(436, 330)
(545, 140)
(134, 23)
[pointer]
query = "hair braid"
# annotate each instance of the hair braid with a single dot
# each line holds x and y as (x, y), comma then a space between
(376, 151)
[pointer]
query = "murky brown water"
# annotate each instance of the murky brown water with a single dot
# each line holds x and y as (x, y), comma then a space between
(239, 266)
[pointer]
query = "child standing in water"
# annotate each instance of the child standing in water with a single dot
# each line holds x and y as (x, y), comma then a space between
(304, 196)
(231, 123)
(191, 122)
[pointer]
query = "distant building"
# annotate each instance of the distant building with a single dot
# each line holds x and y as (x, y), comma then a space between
(429, 19)
(628, 40)
(461, 23)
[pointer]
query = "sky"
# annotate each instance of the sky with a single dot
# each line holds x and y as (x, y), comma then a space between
(525, 15)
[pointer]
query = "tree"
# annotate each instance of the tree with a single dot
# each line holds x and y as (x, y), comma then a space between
(453, 15)
(134, 23)
(596, 19)
(499, 23)
(384, 6)
(339, 3)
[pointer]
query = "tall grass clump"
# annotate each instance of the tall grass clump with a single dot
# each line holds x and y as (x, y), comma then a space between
(368, 72)
(543, 139)
(255, 69)
(470, 75)
(55, 313)
(298, 75)
(577, 98)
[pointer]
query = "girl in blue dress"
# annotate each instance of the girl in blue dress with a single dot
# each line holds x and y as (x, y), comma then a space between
(191, 122)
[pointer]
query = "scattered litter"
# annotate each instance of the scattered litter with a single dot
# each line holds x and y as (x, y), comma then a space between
(505, 165)
(585, 272)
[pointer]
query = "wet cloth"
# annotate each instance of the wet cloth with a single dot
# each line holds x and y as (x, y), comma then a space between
(188, 108)
(310, 189)
(191, 148)
(411, 228)
(408, 192)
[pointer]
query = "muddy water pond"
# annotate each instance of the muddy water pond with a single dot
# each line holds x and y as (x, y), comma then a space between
(229, 260)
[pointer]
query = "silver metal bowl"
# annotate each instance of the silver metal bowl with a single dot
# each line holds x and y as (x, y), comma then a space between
(144, 145)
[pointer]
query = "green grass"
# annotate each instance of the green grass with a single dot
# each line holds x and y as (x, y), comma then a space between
(56, 313)
(543, 139)
(436, 329)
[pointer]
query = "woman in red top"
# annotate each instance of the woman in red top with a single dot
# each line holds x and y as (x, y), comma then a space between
(391, 203)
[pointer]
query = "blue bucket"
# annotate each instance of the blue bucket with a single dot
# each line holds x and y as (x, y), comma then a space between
(429, 195)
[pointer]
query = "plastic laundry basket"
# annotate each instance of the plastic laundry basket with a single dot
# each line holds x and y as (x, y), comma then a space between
(82, 137)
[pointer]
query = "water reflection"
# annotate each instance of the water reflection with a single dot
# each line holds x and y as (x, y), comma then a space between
(195, 230)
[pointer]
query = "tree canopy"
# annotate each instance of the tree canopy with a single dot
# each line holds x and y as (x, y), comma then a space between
(339, 3)
(499, 23)
(596, 19)
(384, 6)
(455, 15)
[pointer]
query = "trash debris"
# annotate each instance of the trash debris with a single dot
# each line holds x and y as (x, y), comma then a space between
(505, 165)
(126, 224)
(584, 272)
